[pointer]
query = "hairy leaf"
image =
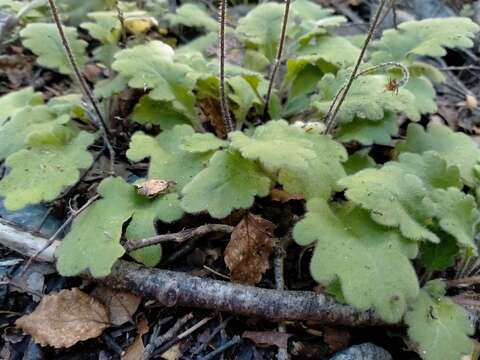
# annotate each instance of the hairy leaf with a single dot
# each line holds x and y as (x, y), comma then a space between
(456, 148)
(168, 160)
(192, 15)
(105, 27)
(427, 37)
(244, 95)
(370, 261)
(261, 28)
(368, 132)
(202, 143)
(229, 182)
(367, 98)
(44, 41)
(357, 162)
(41, 172)
(151, 66)
(438, 326)
(424, 93)
(161, 113)
(437, 257)
(15, 101)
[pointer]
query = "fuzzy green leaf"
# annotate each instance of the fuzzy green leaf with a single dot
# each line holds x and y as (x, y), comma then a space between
(424, 94)
(261, 28)
(202, 143)
(427, 37)
(46, 168)
(398, 193)
(438, 326)
(105, 27)
(44, 41)
(370, 261)
(244, 96)
(192, 15)
(168, 160)
(229, 182)
(276, 145)
(15, 101)
(96, 231)
(357, 162)
(152, 66)
(456, 148)
(335, 50)
(14, 133)
(161, 113)
(368, 132)
(438, 257)
(367, 98)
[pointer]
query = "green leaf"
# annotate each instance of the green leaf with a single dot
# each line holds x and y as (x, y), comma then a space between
(14, 133)
(322, 173)
(244, 95)
(438, 257)
(168, 160)
(456, 148)
(261, 28)
(424, 94)
(398, 194)
(229, 182)
(44, 41)
(146, 211)
(96, 231)
(161, 113)
(458, 215)
(192, 15)
(438, 326)
(368, 132)
(335, 50)
(108, 87)
(357, 162)
(15, 101)
(276, 145)
(308, 10)
(370, 261)
(367, 98)
(152, 66)
(93, 243)
(106, 27)
(427, 37)
(44, 170)
(202, 143)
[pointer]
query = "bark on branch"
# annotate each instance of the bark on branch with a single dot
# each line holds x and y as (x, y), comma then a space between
(172, 288)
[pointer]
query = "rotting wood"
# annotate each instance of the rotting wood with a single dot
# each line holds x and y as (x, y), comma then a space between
(172, 288)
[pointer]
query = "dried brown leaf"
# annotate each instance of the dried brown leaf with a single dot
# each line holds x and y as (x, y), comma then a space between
(63, 319)
(249, 249)
(135, 351)
(174, 353)
(121, 305)
(268, 338)
(153, 187)
(282, 196)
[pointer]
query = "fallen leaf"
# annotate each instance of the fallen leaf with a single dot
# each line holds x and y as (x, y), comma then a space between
(211, 109)
(173, 353)
(282, 196)
(153, 187)
(336, 339)
(135, 351)
(65, 318)
(249, 249)
(268, 338)
(121, 305)
(471, 102)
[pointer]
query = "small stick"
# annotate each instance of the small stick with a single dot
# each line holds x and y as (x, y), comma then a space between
(278, 58)
(80, 79)
(463, 282)
(227, 119)
(235, 340)
(179, 237)
(52, 239)
(330, 118)
(212, 336)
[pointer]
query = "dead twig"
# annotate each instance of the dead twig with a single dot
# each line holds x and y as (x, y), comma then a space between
(82, 82)
(341, 96)
(278, 58)
(464, 282)
(235, 340)
(171, 288)
(179, 237)
(279, 270)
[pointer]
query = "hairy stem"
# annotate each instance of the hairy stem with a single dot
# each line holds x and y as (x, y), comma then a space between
(81, 80)
(278, 58)
(227, 120)
(340, 98)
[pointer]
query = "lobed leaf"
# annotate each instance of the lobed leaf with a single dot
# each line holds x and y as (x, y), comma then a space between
(161, 113)
(229, 182)
(192, 15)
(44, 41)
(15, 101)
(346, 238)
(368, 132)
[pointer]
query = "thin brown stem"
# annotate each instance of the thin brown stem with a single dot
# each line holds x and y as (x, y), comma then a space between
(278, 58)
(227, 119)
(81, 79)
(331, 115)
(179, 237)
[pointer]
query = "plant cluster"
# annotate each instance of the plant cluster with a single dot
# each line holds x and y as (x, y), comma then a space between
(369, 221)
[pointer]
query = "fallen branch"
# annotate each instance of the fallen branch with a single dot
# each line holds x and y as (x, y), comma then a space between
(172, 288)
